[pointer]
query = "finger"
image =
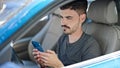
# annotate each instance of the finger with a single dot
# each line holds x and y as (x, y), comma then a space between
(35, 53)
(35, 57)
(40, 62)
(38, 59)
(50, 51)
(35, 50)
(44, 63)
(44, 54)
(43, 58)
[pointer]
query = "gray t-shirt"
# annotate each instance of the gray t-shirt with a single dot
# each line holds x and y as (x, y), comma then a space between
(85, 48)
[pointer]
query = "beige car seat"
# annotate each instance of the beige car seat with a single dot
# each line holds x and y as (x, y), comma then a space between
(104, 16)
(49, 35)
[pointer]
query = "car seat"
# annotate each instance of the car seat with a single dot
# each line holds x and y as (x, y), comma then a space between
(104, 16)
(49, 35)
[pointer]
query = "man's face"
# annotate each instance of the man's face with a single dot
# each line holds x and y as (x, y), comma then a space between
(70, 21)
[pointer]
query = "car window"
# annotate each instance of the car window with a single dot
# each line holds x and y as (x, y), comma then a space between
(9, 8)
(89, 2)
(16, 13)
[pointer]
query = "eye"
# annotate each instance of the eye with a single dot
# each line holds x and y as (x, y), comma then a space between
(69, 17)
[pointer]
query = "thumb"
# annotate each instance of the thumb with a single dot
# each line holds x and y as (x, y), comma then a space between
(50, 51)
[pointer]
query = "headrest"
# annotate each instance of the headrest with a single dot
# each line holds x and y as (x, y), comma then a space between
(103, 11)
(57, 11)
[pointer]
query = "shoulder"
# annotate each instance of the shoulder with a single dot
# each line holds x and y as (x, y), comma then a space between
(90, 40)
(91, 46)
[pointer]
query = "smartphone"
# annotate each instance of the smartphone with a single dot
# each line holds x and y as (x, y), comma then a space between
(37, 46)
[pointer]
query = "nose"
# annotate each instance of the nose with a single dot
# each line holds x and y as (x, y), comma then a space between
(63, 21)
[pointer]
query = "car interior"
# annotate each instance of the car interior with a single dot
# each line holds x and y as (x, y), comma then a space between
(103, 26)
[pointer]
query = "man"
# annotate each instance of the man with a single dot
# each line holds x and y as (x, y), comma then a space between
(74, 45)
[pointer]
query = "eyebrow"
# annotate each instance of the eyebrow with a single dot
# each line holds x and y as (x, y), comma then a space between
(58, 15)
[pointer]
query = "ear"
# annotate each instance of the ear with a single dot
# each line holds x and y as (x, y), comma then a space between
(82, 18)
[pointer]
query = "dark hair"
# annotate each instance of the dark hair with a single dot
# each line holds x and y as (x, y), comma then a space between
(80, 6)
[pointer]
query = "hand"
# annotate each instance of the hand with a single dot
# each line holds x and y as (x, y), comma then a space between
(49, 58)
(36, 55)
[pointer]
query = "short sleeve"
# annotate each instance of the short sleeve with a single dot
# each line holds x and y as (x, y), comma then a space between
(91, 50)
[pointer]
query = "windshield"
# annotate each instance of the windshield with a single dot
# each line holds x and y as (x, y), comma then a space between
(8, 8)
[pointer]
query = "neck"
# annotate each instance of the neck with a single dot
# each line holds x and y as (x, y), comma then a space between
(75, 36)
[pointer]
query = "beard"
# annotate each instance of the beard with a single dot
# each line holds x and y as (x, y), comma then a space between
(70, 30)
(67, 30)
